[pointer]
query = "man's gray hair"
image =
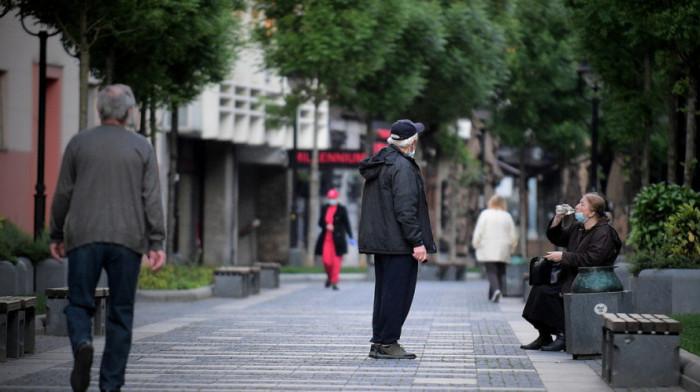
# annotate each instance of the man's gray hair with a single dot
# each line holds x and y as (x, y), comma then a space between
(402, 143)
(114, 102)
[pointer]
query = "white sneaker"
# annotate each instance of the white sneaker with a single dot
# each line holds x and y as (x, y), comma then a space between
(496, 296)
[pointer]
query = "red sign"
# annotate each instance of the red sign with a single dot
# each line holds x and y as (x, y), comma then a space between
(331, 157)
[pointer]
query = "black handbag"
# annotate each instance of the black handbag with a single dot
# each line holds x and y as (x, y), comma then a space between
(543, 271)
(540, 271)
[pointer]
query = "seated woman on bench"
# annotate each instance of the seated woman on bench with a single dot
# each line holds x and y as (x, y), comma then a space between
(590, 241)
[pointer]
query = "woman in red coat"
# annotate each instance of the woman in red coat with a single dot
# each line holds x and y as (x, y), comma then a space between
(331, 244)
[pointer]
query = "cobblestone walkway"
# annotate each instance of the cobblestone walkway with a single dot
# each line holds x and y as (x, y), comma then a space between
(302, 337)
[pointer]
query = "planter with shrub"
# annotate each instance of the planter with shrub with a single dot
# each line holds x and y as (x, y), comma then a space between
(665, 263)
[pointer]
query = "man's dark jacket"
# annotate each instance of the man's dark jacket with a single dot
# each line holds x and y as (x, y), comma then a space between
(598, 246)
(394, 217)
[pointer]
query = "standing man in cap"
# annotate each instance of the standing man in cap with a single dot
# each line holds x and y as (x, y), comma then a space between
(108, 197)
(395, 228)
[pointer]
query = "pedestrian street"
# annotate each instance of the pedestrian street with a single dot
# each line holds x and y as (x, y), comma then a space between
(304, 337)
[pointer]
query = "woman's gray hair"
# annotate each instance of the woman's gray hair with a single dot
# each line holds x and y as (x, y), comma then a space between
(114, 102)
(402, 143)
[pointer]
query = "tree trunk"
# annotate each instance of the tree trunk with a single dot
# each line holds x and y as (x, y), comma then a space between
(648, 124)
(84, 69)
(672, 136)
(689, 170)
(522, 186)
(171, 217)
(153, 127)
(453, 209)
(369, 137)
(313, 192)
(143, 109)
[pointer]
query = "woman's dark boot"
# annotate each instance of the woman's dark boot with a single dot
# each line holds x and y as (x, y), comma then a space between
(536, 344)
(558, 345)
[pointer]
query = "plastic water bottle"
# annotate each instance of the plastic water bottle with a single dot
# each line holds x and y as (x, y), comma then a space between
(562, 209)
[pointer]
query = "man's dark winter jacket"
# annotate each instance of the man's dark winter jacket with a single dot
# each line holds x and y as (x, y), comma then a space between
(394, 217)
(598, 246)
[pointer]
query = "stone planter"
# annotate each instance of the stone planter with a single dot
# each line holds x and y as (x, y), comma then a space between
(666, 291)
(513, 284)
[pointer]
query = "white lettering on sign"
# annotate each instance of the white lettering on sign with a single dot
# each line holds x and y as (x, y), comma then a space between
(600, 308)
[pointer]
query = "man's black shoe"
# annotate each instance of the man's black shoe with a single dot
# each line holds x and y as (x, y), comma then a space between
(536, 344)
(373, 350)
(558, 345)
(393, 351)
(80, 377)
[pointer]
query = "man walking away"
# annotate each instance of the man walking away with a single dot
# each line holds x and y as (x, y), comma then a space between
(108, 197)
(395, 228)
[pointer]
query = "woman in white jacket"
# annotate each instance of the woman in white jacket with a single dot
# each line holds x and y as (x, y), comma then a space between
(494, 239)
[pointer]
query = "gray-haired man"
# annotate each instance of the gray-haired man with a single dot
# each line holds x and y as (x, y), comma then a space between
(395, 228)
(109, 188)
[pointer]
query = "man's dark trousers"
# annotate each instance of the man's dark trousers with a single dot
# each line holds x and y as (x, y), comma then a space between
(394, 287)
(84, 267)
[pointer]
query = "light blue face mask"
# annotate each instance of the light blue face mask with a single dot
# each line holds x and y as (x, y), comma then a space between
(579, 217)
(411, 154)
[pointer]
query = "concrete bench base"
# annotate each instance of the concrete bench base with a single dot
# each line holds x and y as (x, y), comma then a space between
(56, 302)
(641, 354)
(254, 280)
(233, 282)
(513, 285)
(269, 275)
(583, 322)
(17, 326)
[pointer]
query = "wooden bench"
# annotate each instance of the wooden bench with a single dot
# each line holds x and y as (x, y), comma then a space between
(56, 302)
(641, 350)
(17, 326)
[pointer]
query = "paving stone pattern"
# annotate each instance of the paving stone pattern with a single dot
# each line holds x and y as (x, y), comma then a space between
(303, 337)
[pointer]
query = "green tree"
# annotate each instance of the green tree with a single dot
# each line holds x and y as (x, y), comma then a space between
(462, 75)
(81, 23)
(327, 45)
(179, 48)
(538, 105)
(617, 39)
(386, 93)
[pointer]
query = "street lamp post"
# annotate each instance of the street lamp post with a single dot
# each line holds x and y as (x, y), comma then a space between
(585, 74)
(40, 196)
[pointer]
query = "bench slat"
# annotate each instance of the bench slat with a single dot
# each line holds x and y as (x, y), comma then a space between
(641, 323)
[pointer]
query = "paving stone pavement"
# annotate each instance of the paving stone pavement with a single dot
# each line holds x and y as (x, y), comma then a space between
(303, 337)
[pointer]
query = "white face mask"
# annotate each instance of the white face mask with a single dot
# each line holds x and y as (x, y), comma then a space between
(333, 201)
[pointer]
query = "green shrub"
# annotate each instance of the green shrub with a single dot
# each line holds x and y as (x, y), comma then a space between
(15, 243)
(37, 250)
(680, 247)
(652, 207)
(12, 241)
(175, 277)
(682, 232)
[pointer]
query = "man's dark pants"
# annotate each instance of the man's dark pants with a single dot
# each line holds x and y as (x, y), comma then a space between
(84, 267)
(394, 287)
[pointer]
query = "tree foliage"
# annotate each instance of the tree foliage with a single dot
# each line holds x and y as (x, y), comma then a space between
(541, 91)
(462, 75)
